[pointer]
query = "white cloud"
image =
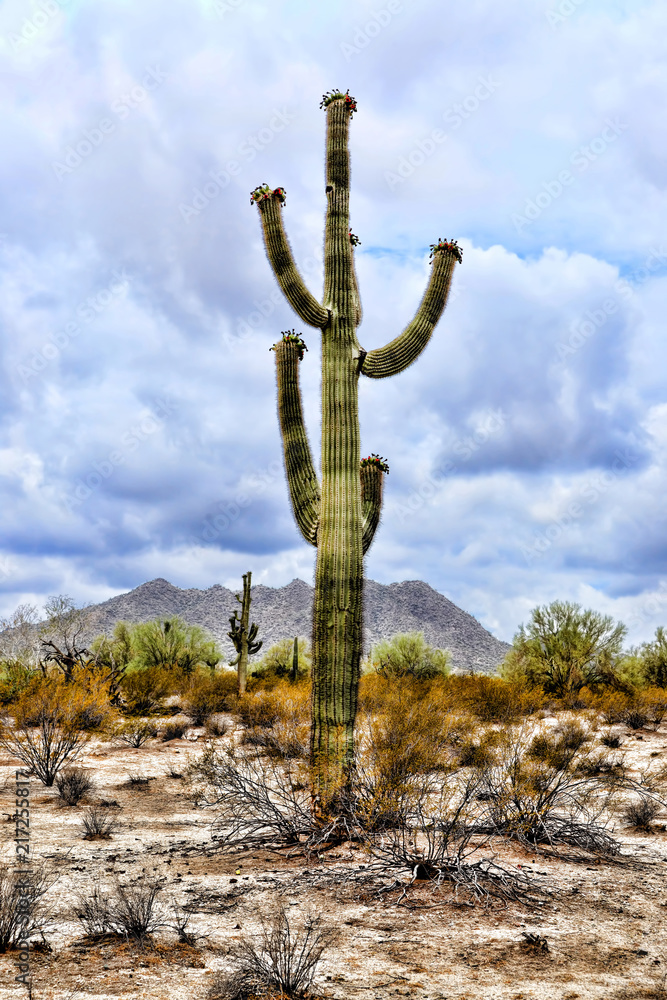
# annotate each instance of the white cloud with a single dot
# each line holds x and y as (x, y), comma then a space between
(548, 364)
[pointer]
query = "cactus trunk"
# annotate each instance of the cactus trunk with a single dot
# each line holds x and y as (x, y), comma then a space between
(245, 620)
(342, 515)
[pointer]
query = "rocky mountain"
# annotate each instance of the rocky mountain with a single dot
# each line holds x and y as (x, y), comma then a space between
(283, 612)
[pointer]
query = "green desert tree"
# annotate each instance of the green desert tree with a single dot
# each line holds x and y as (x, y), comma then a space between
(171, 644)
(113, 655)
(653, 659)
(340, 514)
(564, 647)
(409, 655)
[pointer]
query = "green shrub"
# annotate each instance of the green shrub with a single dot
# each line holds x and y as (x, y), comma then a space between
(15, 677)
(409, 655)
(277, 663)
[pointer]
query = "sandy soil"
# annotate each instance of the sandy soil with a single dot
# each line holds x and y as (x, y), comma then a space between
(605, 927)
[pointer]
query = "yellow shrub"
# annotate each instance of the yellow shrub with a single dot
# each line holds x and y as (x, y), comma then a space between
(207, 693)
(83, 703)
(492, 699)
(144, 689)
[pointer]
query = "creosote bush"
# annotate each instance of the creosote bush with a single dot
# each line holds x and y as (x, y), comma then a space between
(144, 690)
(641, 813)
(552, 786)
(132, 912)
(282, 960)
(73, 784)
(207, 693)
(492, 699)
(134, 732)
(175, 729)
(22, 903)
(48, 731)
(277, 719)
(98, 822)
(83, 700)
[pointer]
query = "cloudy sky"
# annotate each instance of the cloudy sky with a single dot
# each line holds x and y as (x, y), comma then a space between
(527, 446)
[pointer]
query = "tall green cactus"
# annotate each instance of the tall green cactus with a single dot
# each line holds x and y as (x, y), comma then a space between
(243, 634)
(294, 672)
(340, 517)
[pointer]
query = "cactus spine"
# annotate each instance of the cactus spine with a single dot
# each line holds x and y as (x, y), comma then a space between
(340, 517)
(243, 635)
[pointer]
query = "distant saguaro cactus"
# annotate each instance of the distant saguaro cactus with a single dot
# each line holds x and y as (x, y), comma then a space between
(341, 517)
(294, 673)
(243, 635)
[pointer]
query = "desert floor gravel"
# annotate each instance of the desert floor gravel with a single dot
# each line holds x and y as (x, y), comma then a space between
(605, 925)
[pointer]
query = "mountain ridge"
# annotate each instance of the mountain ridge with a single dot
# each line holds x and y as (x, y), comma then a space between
(283, 612)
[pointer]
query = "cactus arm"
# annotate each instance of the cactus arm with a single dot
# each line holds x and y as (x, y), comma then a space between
(236, 637)
(279, 252)
(254, 647)
(371, 502)
(300, 470)
(406, 348)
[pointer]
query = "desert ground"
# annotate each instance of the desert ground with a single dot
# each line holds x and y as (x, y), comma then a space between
(598, 931)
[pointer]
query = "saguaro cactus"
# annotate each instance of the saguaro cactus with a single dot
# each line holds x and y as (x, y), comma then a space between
(294, 672)
(243, 635)
(340, 517)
